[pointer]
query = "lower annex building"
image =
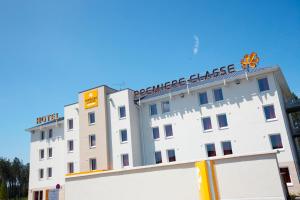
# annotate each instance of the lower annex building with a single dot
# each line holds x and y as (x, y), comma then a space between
(225, 112)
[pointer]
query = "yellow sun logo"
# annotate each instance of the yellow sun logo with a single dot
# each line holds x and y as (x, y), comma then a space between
(250, 60)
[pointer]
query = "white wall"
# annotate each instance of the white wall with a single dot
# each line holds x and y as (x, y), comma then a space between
(180, 181)
(132, 147)
(56, 162)
(71, 112)
(248, 130)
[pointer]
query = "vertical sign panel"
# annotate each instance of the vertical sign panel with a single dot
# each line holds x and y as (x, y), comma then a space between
(90, 99)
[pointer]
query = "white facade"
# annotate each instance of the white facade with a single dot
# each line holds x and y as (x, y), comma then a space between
(246, 127)
(55, 162)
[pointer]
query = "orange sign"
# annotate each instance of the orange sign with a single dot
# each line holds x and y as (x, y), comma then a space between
(47, 118)
(250, 60)
(90, 99)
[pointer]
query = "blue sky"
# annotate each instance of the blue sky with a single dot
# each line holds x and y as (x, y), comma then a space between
(51, 50)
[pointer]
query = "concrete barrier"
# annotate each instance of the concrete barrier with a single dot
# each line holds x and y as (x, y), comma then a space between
(244, 177)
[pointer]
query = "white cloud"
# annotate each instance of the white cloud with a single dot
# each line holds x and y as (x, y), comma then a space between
(196, 44)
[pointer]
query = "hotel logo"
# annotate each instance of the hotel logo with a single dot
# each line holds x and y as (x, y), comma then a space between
(90, 99)
(250, 61)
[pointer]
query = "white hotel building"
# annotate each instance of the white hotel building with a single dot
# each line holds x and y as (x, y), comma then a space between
(243, 112)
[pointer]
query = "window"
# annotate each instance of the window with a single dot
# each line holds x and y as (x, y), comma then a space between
(203, 98)
(50, 133)
(226, 146)
(284, 172)
(93, 164)
(269, 112)
(276, 141)
(125, 160)
(222, 121)
(158, 158)
(122, 112)
(41, 173)
(165, 106)
(91, 118)
(123, 136)
(218, 94)
(171, 155)
(42, 135)
(92, 140)
(70, 145)
(42, 154)
(70, 168)
(153, 109)
(168, 131)
(155, 132)
(70, 124)
(211, 150)
(206, 122)
(49, 152)
(49, 172)
(263, 84)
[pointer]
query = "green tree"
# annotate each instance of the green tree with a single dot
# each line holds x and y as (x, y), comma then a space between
(3, 192)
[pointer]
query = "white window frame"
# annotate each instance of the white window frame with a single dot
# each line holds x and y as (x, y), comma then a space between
(225, 127)
(213, 93)
(158, 133)
(223, 147)
(90, 140)
(199, 99)
(162, 110)
(49, 177)
(168, 137)
(270, 141)
(150, 109)
(160, 156)
(39, 172)
(89, 118)
(40, 154)
(265, 117)
(120, 133)
(91, 164)
(122, 160)
(208, 130)
(259, 78)
(168, 159)
(207, 149)
(68, 127)
(70, 151)
(49, 157)
(119, 111)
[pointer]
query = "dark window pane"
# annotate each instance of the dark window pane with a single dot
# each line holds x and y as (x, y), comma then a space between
(122, 112)
(227, 149)
(168, 130)
(158, 158)
(71, 167)
(171, 155)
(222, 119)
(218, 94)
(211, 151)
(203, 98)
(155, 132)
(206, 123)
(124, 135)
(125, 160)
(263, 84)
(50, 134)
(269, 112)
(93, 164)
(92, 140)
(92, 118)
(165, 106)
(285, 174)
(70, 124)
(276, 142)
(42, 135)
(153, 109)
